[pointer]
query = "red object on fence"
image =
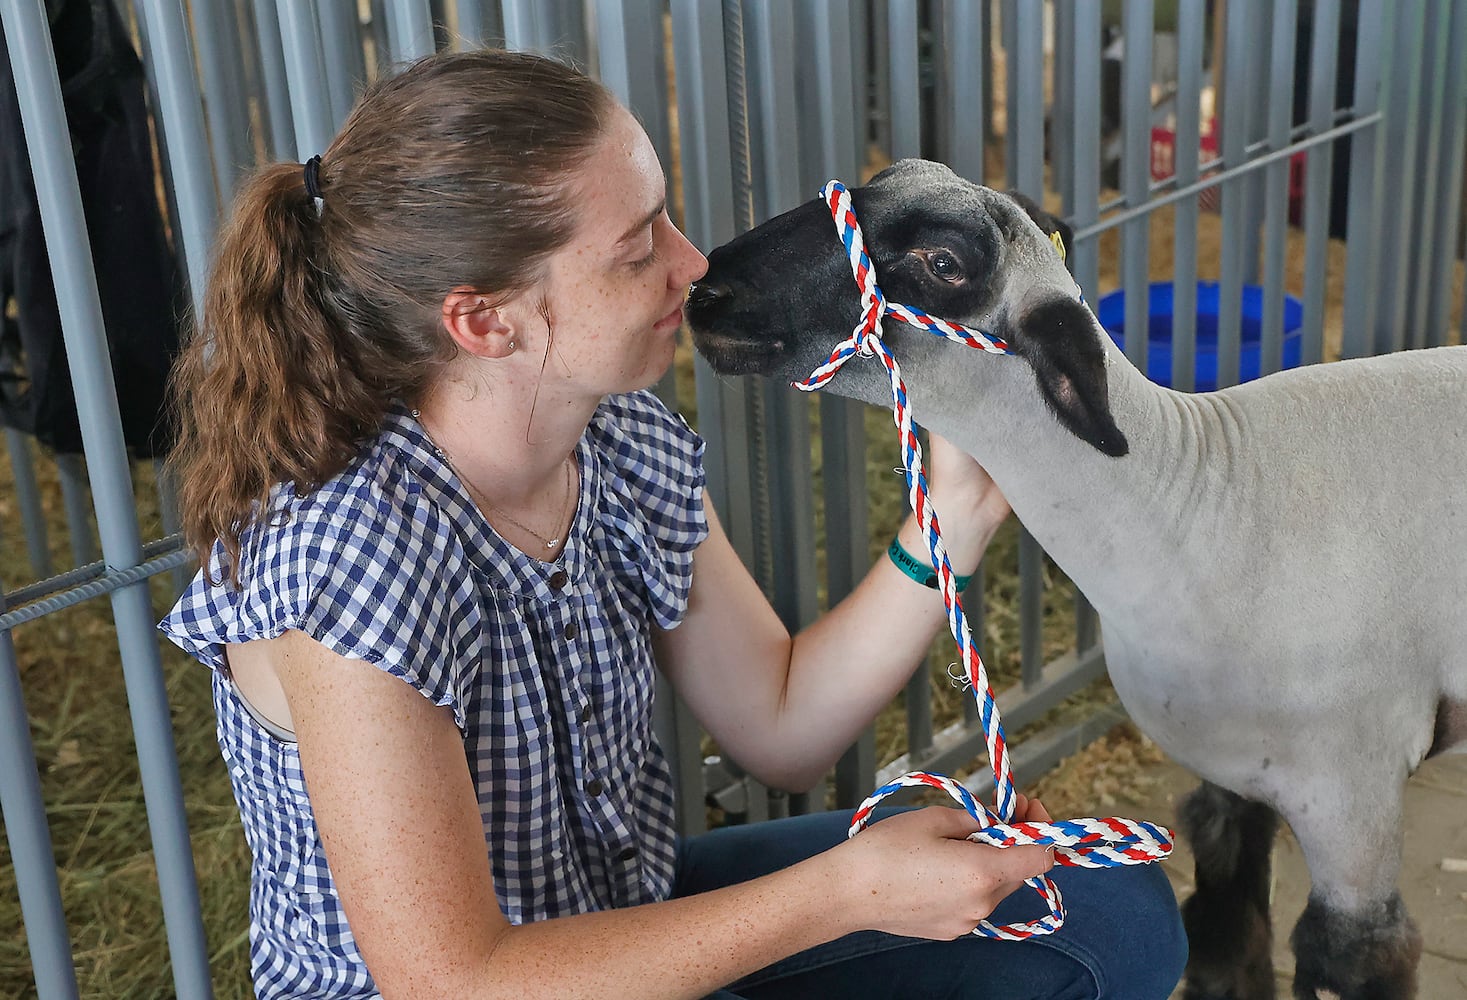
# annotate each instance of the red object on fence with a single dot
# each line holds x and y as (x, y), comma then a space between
(1164, 165)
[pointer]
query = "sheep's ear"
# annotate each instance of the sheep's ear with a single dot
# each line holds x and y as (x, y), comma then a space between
(1057, 339)
(1058, 231)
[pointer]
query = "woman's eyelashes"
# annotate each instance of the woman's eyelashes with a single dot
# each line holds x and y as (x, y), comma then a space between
(642, 263)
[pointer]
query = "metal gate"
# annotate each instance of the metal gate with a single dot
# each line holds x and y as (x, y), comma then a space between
(1304, 149)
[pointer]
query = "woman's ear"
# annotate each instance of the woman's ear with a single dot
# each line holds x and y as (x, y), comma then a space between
(476, 325)
(1058, 231)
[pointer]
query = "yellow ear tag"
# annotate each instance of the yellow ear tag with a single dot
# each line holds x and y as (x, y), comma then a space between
(1059, 243)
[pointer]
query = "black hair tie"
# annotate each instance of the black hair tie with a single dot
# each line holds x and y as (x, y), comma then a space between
(312, 175)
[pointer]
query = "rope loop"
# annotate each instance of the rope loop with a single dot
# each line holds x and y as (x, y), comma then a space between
(1086, 843)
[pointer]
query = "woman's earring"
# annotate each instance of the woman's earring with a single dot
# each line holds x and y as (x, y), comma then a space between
(511, 345)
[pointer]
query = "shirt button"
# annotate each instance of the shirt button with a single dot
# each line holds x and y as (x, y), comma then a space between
(627, 854)
(586, 714)
(595, 787)
(570, 631)
(558, 579)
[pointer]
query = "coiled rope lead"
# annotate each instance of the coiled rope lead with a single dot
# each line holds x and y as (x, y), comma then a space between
(1086, 843)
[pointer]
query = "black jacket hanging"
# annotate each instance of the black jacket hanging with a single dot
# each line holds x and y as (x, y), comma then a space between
(138, 279)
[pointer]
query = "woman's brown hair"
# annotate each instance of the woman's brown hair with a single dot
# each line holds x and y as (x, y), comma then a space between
(451, 173)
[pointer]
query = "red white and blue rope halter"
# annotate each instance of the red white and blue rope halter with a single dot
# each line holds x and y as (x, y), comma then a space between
(1087, 843)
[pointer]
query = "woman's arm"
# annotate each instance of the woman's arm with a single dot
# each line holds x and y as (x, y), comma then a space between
(786, 708)
(399, 820)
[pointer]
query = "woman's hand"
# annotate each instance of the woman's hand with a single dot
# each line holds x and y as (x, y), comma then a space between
(961, 488)
(969, 505)
(917, 875)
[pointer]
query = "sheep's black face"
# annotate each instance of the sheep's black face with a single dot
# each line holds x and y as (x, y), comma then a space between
(777, 299)
(748, 317)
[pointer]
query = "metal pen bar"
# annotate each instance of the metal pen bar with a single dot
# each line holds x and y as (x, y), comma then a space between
(754, 392)
(104, 583)
(681, 738)
(770, 31)
(1318, 167)
(1223, 177)
(1256, 100)
(1363, 220)
(1026, 132)
(771, 28)
(1427, 209)
(1138, 18)
(344, 61)
(524, 28)
(271, 49)
(955, 745)
(1026, 137)
(1252, 150)
(412, 29)
(709, 204)
(1186, 154)
(29, 835)
(905, 102)
(831, 83)
(1061, 108)
(640, 81)
(1234, 259)
(1279, 109)
(74, 500)
(59, 197)
(1008, 18)
(300, 35)
(41, 588)
(706, 154)
(1403, 133)
(1085, 149)
(469, 15)
(757, 443)
(171, 54)
(1454, 141)
(967, 98)
(879, 109)
(28, 499)
(217, 34)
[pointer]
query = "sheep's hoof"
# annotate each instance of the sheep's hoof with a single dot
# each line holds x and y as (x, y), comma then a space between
(1369, 956)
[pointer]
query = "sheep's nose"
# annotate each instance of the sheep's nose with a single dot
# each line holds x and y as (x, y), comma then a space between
(705, 295)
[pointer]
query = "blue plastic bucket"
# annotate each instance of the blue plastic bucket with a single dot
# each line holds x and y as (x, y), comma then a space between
(1112, 314)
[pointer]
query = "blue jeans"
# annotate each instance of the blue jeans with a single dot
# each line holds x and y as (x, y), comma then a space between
(1122, 938)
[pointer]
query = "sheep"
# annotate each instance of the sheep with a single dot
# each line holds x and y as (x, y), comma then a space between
(1278, 566)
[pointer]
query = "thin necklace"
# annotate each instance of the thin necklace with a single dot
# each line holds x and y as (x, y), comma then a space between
(549, 543)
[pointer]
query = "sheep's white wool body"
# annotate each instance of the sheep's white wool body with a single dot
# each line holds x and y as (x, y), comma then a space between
(1279, 567)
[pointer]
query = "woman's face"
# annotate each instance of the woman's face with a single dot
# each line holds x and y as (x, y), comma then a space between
(615, 292)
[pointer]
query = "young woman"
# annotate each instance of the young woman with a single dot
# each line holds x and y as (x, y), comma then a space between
(447, 537)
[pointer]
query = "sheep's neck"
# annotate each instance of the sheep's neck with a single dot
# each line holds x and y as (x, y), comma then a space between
(1110, 523)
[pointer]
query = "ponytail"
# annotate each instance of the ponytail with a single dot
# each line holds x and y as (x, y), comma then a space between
(272, 388)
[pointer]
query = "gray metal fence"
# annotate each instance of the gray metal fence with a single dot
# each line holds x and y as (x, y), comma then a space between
(1306, 149)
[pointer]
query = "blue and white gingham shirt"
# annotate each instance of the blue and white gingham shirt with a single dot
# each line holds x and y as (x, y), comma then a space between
(547, 669)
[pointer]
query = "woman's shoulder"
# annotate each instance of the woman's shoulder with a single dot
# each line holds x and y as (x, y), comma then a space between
(374, 504)
(339, 562)
(646, 441)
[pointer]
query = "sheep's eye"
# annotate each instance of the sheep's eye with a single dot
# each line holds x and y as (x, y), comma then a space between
(945, 266)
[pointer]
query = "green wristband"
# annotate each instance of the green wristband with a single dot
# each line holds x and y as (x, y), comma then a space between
(920, 569)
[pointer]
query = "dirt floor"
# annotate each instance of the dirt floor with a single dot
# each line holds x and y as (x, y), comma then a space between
(1433, 882)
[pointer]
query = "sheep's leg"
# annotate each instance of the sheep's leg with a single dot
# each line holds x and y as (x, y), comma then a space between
(1355, 940)
(1228, 929)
